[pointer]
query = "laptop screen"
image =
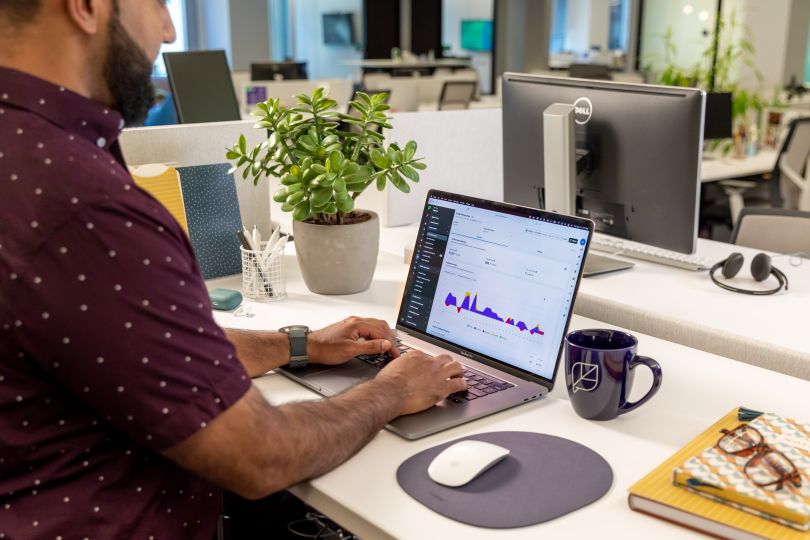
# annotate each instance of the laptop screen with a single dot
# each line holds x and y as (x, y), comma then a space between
(495, 279)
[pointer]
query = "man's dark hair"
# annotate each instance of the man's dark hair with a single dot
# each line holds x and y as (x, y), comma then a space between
(20, 11)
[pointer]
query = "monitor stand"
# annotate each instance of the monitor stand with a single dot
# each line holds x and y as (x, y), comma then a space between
(599, 264)
(559, 162)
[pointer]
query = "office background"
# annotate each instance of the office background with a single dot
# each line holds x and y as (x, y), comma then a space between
(529, 35)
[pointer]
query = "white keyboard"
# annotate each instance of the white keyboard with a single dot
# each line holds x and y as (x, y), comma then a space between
(635, 250)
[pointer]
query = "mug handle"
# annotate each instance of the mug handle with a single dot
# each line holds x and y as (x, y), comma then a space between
(655, 367)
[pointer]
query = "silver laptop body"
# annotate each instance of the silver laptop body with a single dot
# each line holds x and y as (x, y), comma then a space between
(471, 255)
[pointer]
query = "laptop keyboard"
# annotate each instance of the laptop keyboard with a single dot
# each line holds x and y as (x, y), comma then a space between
(479, 384)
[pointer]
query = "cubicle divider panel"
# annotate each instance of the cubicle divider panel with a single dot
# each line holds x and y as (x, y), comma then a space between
(463, 153)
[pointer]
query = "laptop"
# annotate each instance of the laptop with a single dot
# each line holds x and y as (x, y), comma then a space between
(492, 285)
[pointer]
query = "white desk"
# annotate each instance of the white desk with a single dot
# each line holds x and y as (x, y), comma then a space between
(363, 494)
(714, 169)
(385, 64)
(686, 307)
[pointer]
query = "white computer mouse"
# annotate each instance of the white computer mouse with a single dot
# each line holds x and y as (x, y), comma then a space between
(461, 462)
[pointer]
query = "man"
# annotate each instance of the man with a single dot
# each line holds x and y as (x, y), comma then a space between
(122, 404)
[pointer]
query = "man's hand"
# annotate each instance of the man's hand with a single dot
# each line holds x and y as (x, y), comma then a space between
(341, 341)
(423, 380)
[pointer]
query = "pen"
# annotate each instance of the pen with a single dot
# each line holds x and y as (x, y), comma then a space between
(244, 240)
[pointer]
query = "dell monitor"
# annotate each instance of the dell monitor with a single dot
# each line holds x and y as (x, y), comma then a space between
(638, 153)
(278, 71)
(201, 86)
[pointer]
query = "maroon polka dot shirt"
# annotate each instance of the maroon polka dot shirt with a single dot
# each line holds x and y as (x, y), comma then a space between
(108, 350)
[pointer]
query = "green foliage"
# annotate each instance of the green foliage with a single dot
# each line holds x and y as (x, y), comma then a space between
(731, 54)
(322, 170)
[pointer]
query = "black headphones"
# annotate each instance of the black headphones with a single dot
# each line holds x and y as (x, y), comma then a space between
(761, 269)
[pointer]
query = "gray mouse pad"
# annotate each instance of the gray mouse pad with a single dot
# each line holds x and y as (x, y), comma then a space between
(543, 477)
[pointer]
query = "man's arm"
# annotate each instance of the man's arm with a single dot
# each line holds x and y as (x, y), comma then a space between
(255, 449)
(262, 351)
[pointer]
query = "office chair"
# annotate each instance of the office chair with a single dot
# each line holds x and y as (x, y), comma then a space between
(793, 165)
(598, 72)
(773, 229)
(457, 95)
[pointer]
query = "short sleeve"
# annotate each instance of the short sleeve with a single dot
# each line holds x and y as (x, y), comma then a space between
(115, 309)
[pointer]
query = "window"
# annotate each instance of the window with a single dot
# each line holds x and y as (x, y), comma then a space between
(177, 9)
(559, 10)
(619, 25)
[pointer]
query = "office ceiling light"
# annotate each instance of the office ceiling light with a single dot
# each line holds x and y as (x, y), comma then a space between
(687, 9)
(703, 15)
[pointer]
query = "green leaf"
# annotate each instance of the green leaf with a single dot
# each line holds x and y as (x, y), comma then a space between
(410, 173)
(346, 205)
(331, 208)
(230, 154)
(245, 173)
(289, 179)
(379, 159)
(301, 211)
(320, 197)
(243, 144)
(336, 160)
(286, 207)
(419, 165)
(295, 198)
(409, 151)
(280, 196)
(294, 188)
(399, 183)
(339, 186)
(380, 182)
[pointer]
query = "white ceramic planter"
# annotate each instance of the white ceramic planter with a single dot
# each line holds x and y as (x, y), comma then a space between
(338, 259)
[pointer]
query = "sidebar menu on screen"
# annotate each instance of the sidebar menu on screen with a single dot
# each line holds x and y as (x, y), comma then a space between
(428, 257)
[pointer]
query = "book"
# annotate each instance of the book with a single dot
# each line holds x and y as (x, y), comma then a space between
(657, 495)
(722, 477)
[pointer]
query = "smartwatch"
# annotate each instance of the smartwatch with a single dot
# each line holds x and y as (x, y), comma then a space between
(298, 345)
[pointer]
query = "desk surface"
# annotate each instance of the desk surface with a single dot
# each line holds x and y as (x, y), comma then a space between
(687, 308)
(363, 494)
(723, 168)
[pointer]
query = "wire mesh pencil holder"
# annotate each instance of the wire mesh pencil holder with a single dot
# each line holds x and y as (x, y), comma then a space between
(264, 276)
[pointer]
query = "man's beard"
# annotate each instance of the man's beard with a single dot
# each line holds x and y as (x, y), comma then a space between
(128, 74)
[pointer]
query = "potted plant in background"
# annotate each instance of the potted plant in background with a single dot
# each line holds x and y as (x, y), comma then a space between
(322, 171)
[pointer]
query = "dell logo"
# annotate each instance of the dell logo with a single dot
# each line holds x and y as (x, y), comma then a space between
(582, 111)
(465, 353)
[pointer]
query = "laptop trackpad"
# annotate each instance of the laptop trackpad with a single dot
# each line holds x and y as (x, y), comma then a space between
(340, 378)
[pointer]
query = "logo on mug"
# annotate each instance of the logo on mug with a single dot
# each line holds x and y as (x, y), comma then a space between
(585, 377)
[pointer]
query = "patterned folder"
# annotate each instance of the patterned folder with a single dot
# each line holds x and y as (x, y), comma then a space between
(212, 209)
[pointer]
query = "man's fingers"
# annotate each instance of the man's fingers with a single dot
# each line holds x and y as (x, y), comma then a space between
(374, 329)
(456, 384)
(452, 368)
(372, 346)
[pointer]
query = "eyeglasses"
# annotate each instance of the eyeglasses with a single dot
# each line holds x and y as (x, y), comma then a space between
(766, 467)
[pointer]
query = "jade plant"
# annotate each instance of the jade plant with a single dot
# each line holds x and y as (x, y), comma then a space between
(323, 169)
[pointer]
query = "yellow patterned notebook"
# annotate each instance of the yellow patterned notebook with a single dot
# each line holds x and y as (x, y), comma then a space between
(163, 183)
(657, 495)
(728, 478)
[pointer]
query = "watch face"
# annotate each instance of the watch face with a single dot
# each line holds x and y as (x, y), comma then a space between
(294, 328)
